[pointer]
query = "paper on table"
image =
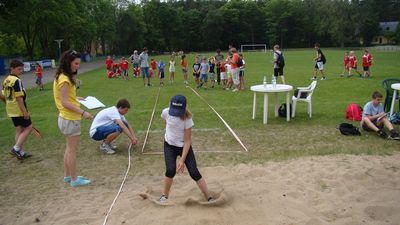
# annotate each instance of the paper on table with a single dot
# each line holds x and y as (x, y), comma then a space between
(91, 103)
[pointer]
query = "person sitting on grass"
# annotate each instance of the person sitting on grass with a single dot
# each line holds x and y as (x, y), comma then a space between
(375, 119)
(178, 141)
(109, 123)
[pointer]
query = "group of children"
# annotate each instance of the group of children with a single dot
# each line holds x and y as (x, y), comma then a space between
(115, 70)
(206, 69)
(350, 64)
(203, 69)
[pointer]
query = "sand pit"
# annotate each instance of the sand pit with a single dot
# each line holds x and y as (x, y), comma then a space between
(348, 190)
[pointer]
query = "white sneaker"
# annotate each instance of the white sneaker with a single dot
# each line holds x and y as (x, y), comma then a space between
(113, 146)
(235, 90)
(323, 78)
(313, 78)
(163, 199)
(106, 148)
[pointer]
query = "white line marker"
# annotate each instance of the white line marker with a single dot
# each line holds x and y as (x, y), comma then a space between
(122, 185)
(222, 119)
(151, 120)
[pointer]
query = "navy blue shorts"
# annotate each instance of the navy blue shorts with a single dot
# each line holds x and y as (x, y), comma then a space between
(103, 131)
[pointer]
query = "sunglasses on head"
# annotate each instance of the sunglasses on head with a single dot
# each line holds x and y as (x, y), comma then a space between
(73, 53)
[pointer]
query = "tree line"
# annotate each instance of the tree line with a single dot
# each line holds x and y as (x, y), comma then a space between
(30, 27)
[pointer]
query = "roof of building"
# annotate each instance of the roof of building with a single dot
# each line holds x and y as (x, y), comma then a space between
(388, 26)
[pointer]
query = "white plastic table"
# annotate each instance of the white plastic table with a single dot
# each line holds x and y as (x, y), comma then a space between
(396, 89)
(270, 89)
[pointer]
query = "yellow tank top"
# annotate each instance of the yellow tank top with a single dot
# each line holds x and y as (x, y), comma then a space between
(64, 112)
(11, 94)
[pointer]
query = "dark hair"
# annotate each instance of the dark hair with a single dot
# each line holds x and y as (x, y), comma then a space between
(317, 45)
(183, 56)
(123, 103)
(376, 94)
(65, 65)
(144, 49)
(16, 63)
(218, 50)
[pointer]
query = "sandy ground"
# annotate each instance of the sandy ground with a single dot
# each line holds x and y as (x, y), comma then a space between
(344, 189)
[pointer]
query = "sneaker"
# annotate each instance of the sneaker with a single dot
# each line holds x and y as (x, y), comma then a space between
(227, 89)
(79, 182)
(382, 134)
(68, 179)
(211, 200)
(394, 136)
(113, 146)
(106, 148)
(20, 154)
(313, 78)
(235, 90)
(163, 199)
(323, 78)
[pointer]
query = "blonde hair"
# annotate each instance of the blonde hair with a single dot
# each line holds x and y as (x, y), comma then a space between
(187, 115)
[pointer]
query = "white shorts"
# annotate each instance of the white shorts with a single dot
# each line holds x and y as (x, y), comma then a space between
(223, 75)
(320, 65)
(235, 76)
(69, 127)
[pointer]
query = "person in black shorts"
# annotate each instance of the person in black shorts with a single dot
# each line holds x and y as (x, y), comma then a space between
(278, 66)
(13, 95)
(196, 70)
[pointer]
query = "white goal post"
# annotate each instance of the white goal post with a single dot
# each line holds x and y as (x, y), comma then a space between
(262, 47)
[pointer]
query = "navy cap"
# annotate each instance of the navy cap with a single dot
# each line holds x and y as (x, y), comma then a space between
(177, 106)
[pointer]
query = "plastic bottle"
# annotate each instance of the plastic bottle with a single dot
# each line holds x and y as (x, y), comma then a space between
(273, 81)
(265, 81)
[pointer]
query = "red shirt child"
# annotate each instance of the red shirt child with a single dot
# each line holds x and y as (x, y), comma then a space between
(124, 64)
(153, 64)
(109, 63)
(38, 71)
(353, 61)
(346, 60)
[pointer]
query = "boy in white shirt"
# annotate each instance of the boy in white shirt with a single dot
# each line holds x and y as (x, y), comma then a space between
(109, 123)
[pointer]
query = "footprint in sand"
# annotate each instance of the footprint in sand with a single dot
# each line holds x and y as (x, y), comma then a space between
(221, 198)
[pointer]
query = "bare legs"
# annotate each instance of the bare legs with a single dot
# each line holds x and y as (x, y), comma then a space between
(200, 183)
(70, 156)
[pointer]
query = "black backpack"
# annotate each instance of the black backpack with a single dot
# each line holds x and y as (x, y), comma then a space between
(280, 61)
(323, 58)
(239, 63)
(282, 110)
(348, 129)
(302, 95)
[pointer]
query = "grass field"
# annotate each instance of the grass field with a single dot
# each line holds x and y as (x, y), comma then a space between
(277, 140)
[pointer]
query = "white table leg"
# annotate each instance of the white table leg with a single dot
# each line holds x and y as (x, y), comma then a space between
(276, 104)
(254, 106)
(265, 108)
(288, 106)
(393, 102)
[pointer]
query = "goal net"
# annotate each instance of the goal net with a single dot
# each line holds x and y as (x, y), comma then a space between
(253, 48)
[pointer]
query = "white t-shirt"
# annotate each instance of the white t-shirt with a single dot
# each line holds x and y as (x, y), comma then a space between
(105, 117)
(175, 128)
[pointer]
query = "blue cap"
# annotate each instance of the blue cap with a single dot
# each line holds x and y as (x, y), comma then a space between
(177, 106)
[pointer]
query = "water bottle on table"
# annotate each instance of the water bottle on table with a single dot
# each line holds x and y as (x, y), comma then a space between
(273, 81)
(265, 81)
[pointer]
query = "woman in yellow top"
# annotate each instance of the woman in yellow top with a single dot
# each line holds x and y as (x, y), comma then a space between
(70, 114)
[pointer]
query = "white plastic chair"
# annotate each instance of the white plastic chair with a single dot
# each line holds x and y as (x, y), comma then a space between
(309, 90)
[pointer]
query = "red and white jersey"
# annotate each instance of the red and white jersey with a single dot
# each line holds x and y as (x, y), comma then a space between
(353, 61)
(346, 60)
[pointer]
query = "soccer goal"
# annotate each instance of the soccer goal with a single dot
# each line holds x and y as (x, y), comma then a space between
(253, 48)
